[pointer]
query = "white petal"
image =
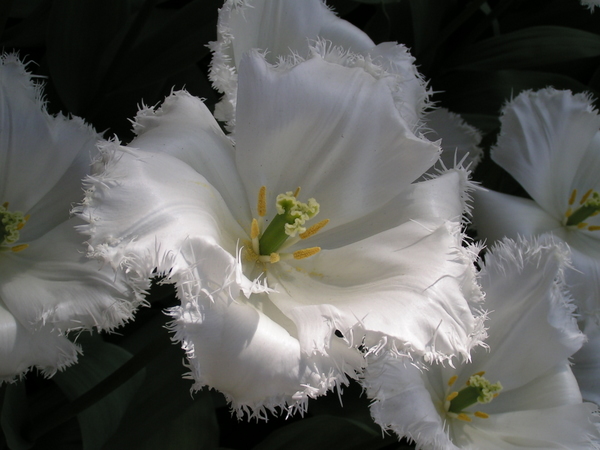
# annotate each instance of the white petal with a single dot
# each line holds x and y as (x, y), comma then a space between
(563, 427)
(404, 283)
(280, 28)
(21, 348)
(43, 158)
(586, 365)
(545, 138)
(519, 280)
(52, 282)
(496, 215)
(236, 345)
(330, 129)
(460, 141)
(184, 128)
(143, 206)
(405, 402)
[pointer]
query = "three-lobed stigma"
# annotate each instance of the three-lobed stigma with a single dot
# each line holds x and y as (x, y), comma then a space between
(10, 225)
(477, 389)
(286, 228)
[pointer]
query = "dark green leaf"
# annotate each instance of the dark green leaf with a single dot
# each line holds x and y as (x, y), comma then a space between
(100, 359)
(528, 48)
(13, 416)
(324, 433)
(83, 38)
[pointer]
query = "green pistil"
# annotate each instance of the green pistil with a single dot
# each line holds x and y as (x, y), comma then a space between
(289, 221)
(589, 207)
(10, 224)
(478, 390)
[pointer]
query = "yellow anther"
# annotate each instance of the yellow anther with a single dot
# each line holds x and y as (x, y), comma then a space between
(296, 192)
(254, 230)
(496, 394)
(481, 415)
(595, 213)
(5, 204)
(18, 248)
(594, 227)
(452, 380)
(262, 201)
(573, 197)
(482, 373)
(452, 395)
(274, 258)
(582, 225)
(585, 196)
(569, 212)
(306, 252)
(314, 229)
(463, 416)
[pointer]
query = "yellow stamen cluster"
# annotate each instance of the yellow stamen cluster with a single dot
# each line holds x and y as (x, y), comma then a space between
(477, 390)
(285, 229)
(10, 225)
(589, 206)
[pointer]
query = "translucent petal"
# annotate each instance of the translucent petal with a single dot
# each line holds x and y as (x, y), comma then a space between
(332, 130)
(460, 141)
(52, 282)
(496, 215)
(546, 136)
(586, 363)
(43, 158)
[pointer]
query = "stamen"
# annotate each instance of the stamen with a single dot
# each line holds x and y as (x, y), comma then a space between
(262, 201)
(569, 212)
(18, 248)
(306, 252)
(274, 257)
(314, 229)
(463, 416)
(296, 192)
(481, 415)
(452, 380)
(5, 204)
(585, 196)
(573, 197)
(582, 225)
(254, 230)
(452, 396)
(594, 227)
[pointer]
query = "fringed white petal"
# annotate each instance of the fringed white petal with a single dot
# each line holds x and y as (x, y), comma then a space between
(414, 282)
(547, 143)
(532, 333)
(287, 28)
(332, 130)
(53, 282)
(524, 287)
(22, 347)
(586, 363)
(43, 158)
(460, 141)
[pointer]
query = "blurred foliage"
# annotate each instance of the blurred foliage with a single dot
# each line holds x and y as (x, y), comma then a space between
(102, 59)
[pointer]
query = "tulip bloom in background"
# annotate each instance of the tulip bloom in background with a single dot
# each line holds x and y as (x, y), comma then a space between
(47, 287)
(519, 393)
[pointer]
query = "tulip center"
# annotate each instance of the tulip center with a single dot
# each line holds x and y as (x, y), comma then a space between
(10, 224)
(589, 206)
(477, 390)
(286, 228)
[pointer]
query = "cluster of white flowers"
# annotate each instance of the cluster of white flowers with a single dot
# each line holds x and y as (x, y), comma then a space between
(321, 239)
